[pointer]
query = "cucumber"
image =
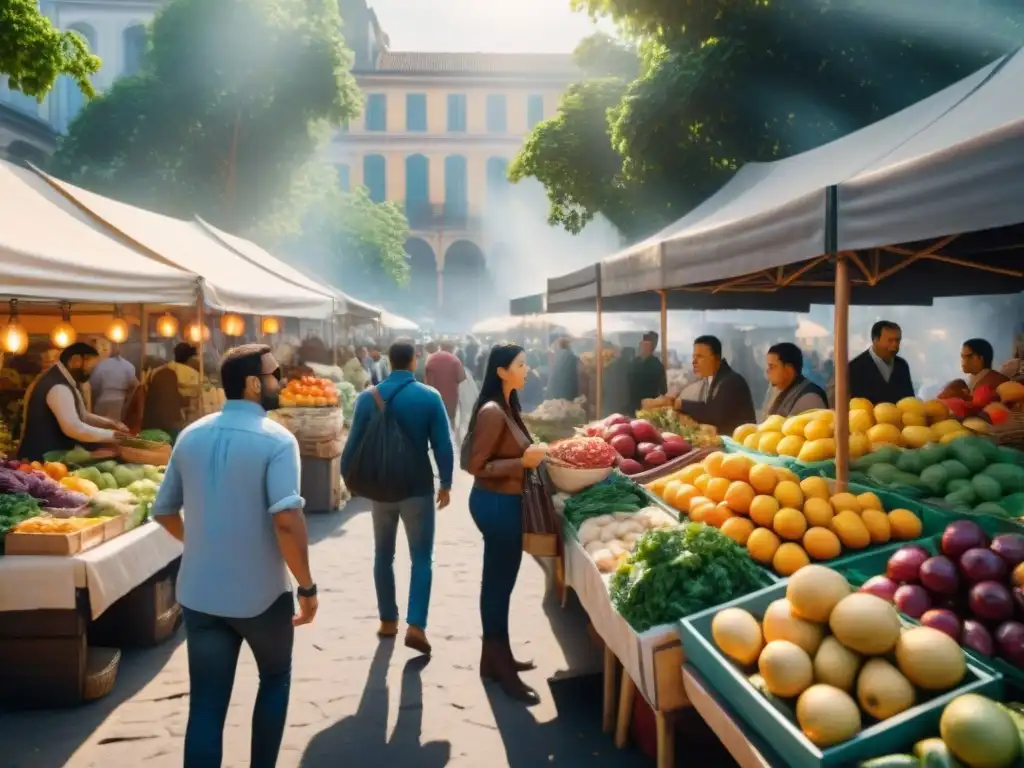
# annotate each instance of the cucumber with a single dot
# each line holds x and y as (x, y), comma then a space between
(934, 753)
(891, 761)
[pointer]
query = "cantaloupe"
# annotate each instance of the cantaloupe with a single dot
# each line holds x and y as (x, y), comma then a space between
(866, 624)
(738, 635)
(814, 591)
(827, 715)
(780, 622)
(786, 668)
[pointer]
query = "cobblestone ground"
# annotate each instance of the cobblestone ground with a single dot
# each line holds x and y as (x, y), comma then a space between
(355, 700)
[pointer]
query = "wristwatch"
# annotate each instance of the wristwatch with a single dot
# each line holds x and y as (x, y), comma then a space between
(309, 591)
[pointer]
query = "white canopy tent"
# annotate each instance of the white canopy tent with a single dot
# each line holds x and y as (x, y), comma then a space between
(230, 282)
(51, 250)
(397, 322)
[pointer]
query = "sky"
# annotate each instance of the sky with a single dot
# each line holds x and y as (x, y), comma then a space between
(501, 26)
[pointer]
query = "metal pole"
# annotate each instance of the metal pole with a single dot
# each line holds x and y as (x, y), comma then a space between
(664, 329)
(841, 352)
(143, 337)
(202, 364)
(600, 349)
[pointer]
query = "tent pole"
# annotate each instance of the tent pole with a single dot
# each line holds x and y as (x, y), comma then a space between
(599, 353)
(664, 328)
(202, 377)
(143, 337)
(841, 351)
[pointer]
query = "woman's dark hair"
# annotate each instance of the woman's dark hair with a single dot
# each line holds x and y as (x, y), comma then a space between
(184, 352)
(500, 356)
(237, 365)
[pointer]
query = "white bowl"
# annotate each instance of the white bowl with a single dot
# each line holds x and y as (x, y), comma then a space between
(570, 480)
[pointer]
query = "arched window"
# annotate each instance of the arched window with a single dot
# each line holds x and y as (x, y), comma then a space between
(417, 188)
(133, 41)
(375, 177)
(74, 99)
(456, 197)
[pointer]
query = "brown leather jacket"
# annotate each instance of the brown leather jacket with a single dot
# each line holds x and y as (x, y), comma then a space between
(496, 453)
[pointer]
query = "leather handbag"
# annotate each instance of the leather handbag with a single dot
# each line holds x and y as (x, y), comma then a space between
(541, 537)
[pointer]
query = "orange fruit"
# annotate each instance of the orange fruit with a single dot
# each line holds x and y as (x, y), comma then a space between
(717, 516)
(789, 558)
(700, 513)
(717, 488)
(679, 495)
(701, 481)
(763, 478)
(762, 545)
(905, 524)
(869, 500)
(690, 473)
(821, 544)
(790, 524)
(815, 487)
(736, 466)
(877, 523)
(738, 497)
(763, 509)
(738, 529)
(698, 501)
(789, 494)
(851, 530)
(713, 463)
(786, 474)
(818, 512)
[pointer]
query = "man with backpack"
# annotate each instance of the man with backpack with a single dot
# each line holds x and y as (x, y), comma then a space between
(386, 460)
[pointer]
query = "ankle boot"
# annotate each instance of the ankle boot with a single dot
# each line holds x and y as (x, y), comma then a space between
(496, 663)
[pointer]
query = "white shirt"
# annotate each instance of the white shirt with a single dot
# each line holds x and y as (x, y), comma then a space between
(112, 379)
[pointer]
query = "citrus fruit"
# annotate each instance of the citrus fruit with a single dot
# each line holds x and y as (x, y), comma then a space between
(789, 558)
(762, 544)
(821, 544)
(790, 524)
(763, 509)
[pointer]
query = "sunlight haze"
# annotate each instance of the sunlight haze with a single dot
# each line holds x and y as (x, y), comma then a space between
(526, 26)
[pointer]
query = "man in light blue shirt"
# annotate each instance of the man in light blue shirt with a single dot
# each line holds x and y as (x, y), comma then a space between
(237, 474)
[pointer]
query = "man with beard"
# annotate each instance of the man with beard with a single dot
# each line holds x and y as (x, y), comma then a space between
(55, 415)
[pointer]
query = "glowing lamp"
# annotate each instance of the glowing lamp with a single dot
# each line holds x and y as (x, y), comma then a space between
(196, 332)
(117, 331)
(167, 325)
(232, 324)
(63, 334)
(270, 325)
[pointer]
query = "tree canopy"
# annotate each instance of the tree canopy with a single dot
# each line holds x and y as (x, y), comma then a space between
(227, 119)
(34, 53)
(736, 81)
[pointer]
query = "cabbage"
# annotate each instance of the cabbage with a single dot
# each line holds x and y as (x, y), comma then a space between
(143, 490)
(126, 474)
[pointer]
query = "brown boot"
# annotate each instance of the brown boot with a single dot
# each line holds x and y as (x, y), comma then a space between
(496, 663)
(416, 639)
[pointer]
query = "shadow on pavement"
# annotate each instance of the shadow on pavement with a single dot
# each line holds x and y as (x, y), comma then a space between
(366, 732)
(30, 741)
(331, 525)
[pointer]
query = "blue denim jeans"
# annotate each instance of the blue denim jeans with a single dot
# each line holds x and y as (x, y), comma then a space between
(417, 516)
(500, 519)
(213, 646)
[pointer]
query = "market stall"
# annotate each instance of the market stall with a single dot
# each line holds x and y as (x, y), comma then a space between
(779, 237)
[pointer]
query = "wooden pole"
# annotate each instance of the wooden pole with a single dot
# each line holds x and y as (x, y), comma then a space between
(841, 357)
(599, 356)
(202, 364)
(143, 337)
(664, 329)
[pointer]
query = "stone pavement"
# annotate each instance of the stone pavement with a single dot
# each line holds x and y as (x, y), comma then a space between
(355, 700)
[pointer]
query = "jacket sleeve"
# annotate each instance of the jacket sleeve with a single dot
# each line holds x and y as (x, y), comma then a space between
(487, 435)
(733, 395)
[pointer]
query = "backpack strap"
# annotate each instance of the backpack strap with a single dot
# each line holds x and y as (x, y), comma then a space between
(381, 402)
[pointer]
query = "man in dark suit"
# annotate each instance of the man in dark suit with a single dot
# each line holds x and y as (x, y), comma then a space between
(879, 374)
(725, 401)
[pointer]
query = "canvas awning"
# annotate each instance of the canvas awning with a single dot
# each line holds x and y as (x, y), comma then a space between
(397, 322)
(49, 249)
(230, 282)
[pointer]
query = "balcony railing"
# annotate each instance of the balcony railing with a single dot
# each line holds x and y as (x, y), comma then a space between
(437, 216)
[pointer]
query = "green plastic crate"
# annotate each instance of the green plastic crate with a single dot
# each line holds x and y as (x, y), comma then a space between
(731, 446)
(731, 684)
(859, 570)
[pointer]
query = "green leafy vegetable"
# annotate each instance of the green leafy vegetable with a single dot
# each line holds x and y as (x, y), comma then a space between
(677, 572)
(616, 494)
(15, 507)
(155, 436)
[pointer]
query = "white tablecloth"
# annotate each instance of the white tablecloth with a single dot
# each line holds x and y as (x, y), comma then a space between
(635, 651)
(108, 572)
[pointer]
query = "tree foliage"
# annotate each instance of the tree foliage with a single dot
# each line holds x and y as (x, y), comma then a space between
(34, 53)
(735, 81)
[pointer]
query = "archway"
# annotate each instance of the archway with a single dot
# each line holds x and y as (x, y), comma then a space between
(465, 272)
(422, 285)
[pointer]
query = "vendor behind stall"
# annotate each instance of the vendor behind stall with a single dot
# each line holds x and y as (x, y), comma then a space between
(55, 415)
(647, 378)
(724, 401)
(113, 383)
(976, 361)
(790, 392)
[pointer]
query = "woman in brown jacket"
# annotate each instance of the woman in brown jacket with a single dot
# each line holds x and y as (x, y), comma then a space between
(500, 449)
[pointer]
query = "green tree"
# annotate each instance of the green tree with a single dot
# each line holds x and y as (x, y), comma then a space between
(34, 53)
(739, 81)
(235, 97)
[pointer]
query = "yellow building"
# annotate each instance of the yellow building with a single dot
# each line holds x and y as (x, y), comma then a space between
(436, 136)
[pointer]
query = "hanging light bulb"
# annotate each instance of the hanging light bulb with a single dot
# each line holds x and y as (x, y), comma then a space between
(14, 337)
(270, 325)
(196, 332)
(63, 334)
(232, 324)
(167, 325)
(117, 331)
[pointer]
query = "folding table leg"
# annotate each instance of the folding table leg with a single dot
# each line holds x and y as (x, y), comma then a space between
(627, 695)
(608, 715)
(666, 740)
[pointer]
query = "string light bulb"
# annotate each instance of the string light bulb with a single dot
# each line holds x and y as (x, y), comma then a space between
(270, 325)
(64, 334)
(117, 331)
(14, 336)
(196, 332)
(232, 324)
(167, 325)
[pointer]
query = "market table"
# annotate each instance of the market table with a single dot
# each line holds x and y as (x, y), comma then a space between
(48, 605)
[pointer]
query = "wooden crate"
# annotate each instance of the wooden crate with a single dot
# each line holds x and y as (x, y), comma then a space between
(60, 544)
(145, 617)
(321, 484)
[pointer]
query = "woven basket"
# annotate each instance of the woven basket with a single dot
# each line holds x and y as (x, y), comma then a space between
(311, 425)
(100, 672)
(159, 454)
(1010, 433)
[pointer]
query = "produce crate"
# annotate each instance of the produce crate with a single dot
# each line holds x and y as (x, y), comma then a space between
(321, 484)
(59, 544)
(859, 570)
(782, 732)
